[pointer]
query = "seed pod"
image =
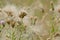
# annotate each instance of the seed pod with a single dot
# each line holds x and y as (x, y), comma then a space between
(22, 14)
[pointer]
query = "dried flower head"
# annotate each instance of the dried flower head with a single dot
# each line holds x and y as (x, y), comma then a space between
(9, 13)
(22, 14)
(8, 21)
(10, 10)
(13, 23)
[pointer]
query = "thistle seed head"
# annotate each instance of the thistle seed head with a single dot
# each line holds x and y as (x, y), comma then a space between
(22, 14)
(13, 23)
(9, 13)
(52, 5)
(8, 21)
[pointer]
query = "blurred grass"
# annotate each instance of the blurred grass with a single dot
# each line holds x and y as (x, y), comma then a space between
(39, 13)
(2, 3)
(18, 3)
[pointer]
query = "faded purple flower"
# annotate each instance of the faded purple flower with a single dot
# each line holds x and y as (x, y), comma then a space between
(2, 22)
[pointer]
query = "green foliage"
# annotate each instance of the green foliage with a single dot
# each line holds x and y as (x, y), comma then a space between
(13, 36)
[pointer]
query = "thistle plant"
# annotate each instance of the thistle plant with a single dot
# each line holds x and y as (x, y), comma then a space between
(2, 25)
(31, 20)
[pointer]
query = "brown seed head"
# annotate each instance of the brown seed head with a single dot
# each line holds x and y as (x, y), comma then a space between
(8, 21)
(13, 24)
(22, 14)
(10, 14)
